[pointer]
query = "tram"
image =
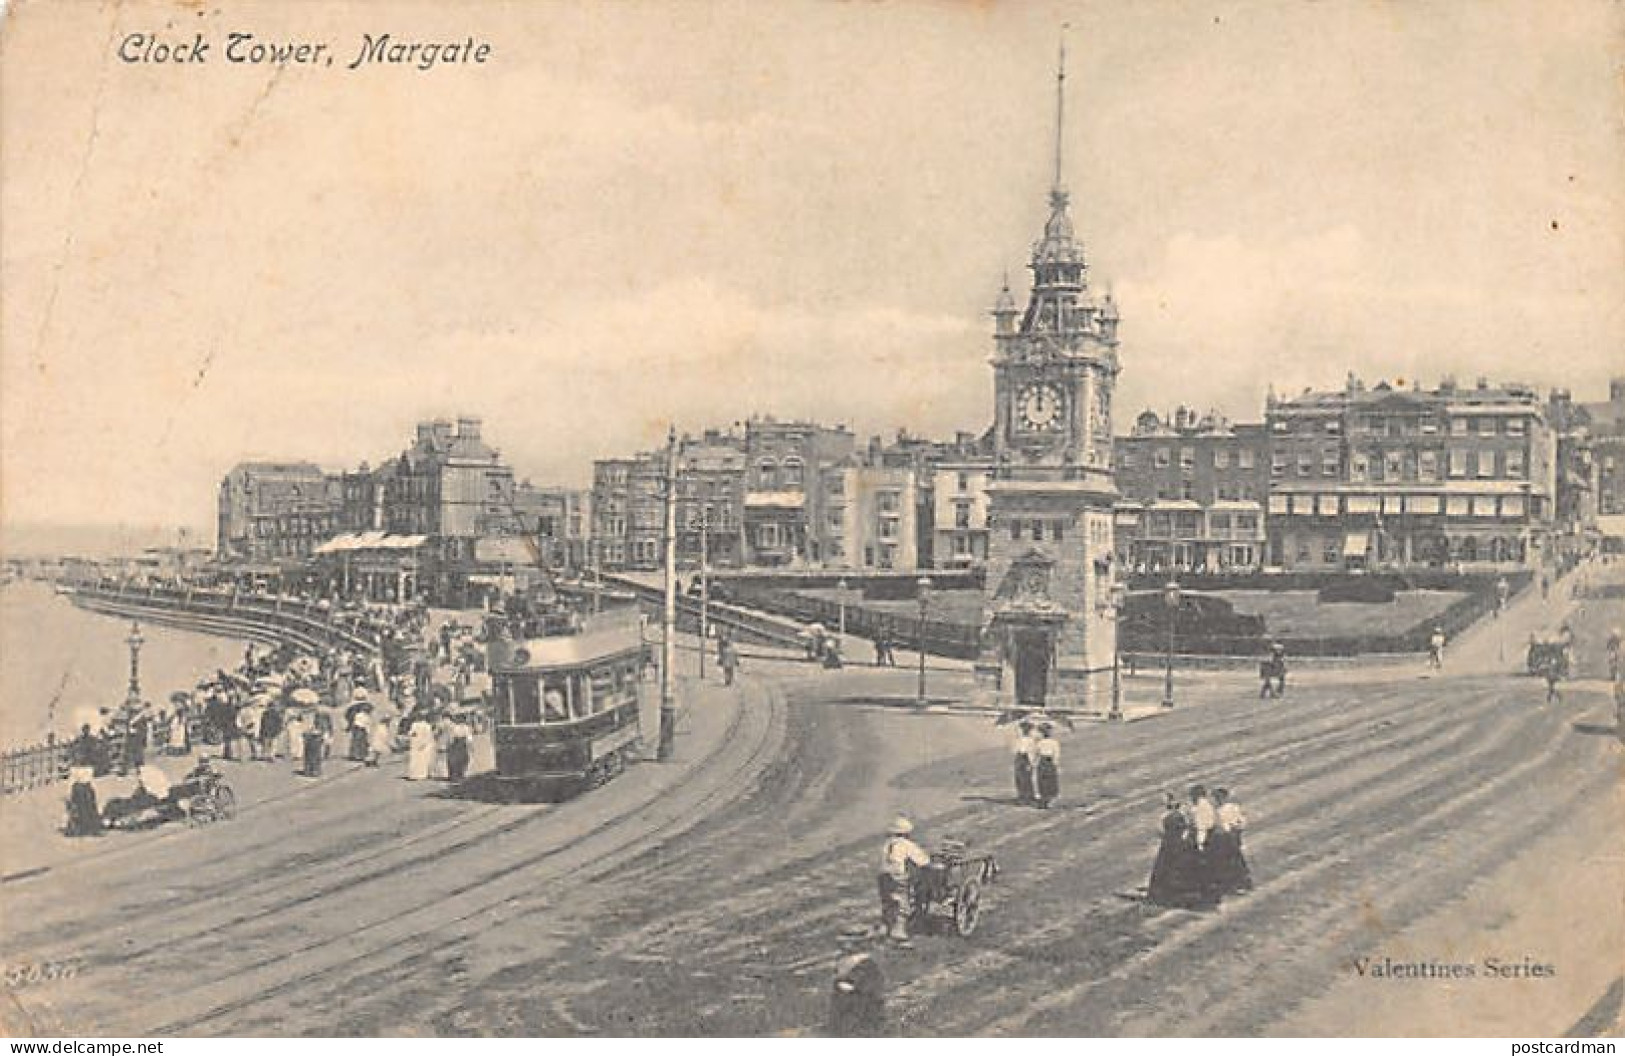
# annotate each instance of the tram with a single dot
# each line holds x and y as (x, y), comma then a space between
(566, 704)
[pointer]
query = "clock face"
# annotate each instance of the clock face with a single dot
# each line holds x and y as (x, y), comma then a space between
(1039, 407)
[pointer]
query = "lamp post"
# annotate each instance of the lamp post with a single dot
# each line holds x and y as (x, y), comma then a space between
(135, 641)
(668, 623)
(923, 589)
(840, 598)
(705, 584)
(1119, 599)
(1170, 597)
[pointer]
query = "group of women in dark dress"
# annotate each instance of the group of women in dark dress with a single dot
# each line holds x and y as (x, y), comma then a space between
(1200, 859)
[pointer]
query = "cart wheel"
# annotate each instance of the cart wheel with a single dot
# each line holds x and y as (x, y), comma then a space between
(968, 908)
(225, 802)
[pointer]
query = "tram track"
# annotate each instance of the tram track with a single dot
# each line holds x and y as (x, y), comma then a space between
(710, 785)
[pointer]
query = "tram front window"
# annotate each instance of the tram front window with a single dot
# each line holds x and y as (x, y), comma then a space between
(554, 705)
(527, 703)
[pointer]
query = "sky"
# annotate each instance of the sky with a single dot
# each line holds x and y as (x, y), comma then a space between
(641, 213)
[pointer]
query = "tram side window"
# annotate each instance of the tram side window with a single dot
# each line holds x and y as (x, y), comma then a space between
(605, 687)
(527, 704)
(554, 708)
(581, 698)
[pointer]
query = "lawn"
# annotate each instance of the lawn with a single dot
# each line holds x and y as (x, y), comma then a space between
(1288, 613)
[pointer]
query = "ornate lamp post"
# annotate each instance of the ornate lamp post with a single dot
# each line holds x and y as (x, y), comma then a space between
(1119, 599)
(1170, 597)
(135, 642)
(923, 589)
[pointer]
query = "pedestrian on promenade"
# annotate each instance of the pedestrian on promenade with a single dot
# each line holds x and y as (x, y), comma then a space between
(857, 1003)
(419, 749)
(1552, 671)
(728, 657)
(1266, 678)
(315, 744)
(1278, 657)
(1436, 648)
(1230, 873)
(84, 814)
(1046, 766)
(380, 738)
(458, 736)
(270, 732)
(1024, 764)
(295, 727)
(1167, 885)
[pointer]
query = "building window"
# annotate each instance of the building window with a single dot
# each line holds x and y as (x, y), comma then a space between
(1187, 458)
(1330, 552)
(1458, 462)
(1277, 465)
(1393, 465)
(1306, 465)
(1430, 427)
(961, 515)
(1359, 467)
(964, 482)
(1515, 466)
(1221, 458)
(888, 529)
(1427, 466)
(792, 472)
(1486, 463)
(1458, 427)
(1330, 463)
(1516, 427)
(1486, 427)
(1244, 458)
(1160, 458)
(1015, 529)
(886, 501)
(1334, 427)
(1187, 489)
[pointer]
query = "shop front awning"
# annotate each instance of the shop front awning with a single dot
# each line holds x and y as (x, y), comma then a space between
(1356, 544)
(775, 500)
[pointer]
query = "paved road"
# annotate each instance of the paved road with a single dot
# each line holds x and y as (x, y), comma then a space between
(1374, 806)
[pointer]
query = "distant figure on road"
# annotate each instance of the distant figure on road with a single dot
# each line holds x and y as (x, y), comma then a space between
(315, 749)
(857, 1002)
(883, 649)
(1503, 590)
(1278, 654)
(728, 658)
(419, 749)
(1047, 765)
(1024, 746)
(1436, 649)
(84, 815)
(1552, 672)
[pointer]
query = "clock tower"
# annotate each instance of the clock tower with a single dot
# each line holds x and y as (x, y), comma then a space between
(1050, 629)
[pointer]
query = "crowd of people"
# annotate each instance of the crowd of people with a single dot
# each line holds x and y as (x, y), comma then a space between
(1199, 859)
(422, 694)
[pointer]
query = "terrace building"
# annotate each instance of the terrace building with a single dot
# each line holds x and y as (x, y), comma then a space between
(1394, 478)
(1193, 492)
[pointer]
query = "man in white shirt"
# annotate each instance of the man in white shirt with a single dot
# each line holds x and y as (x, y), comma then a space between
(898, 859)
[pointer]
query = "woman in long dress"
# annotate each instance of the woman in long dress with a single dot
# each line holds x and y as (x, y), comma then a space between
(294, 731)
(482, 749)
(1024, 764)
(419, 749)
(457, 753)
(1047, 768)
(1165, 886)
(381, 738)
(442, 741)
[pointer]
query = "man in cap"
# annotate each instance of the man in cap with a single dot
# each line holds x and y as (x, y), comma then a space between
(898, 859)
(857, 1003)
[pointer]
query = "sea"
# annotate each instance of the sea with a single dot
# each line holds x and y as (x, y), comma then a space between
(59, 663)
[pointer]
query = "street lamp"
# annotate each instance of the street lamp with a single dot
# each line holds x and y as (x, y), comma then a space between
(840, 598)
(1119, 599)
(1170, 597)
(135, 641)
(923, 589)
